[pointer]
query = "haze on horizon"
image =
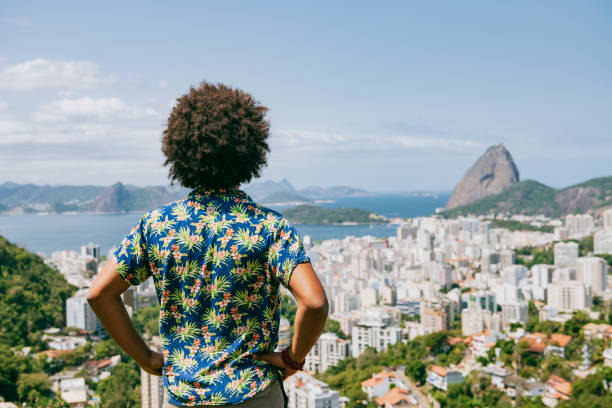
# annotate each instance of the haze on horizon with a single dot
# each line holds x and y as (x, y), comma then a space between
(395, 98)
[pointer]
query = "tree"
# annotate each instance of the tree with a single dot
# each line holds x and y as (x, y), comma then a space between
(33, 386)
(416, 370)
(121, 389)
(436, 342)
(332, 326)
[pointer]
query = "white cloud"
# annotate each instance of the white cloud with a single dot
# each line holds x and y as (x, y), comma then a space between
(9, 127)
(3, 105)
(20, 22)
(87, 107)
(162, 84)
(328, 141)
(41, 73)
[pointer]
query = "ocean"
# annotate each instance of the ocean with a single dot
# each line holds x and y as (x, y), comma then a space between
(45, 234)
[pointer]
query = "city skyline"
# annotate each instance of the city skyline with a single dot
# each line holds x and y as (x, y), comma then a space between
(400, 98)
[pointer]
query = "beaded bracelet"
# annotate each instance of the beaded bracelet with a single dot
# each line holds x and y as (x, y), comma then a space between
(289, 362)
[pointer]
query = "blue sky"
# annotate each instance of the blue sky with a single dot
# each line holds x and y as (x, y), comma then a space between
(392, 96)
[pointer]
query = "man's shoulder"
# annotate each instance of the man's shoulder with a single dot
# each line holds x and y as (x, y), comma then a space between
(165, 209)
(267, 213)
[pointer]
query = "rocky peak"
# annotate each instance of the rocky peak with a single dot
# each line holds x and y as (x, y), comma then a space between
(491, 174)
(112, 200)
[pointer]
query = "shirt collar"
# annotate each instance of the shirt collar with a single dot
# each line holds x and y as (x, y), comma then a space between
(219, 192)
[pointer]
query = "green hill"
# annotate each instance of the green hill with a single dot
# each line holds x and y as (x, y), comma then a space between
(32, 296)
(530, 197)
(314, 214)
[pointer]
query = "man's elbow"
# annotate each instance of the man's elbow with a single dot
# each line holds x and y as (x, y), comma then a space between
(92, 295)
(318, 304)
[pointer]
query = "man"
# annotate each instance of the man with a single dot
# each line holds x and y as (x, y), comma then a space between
(217, 259)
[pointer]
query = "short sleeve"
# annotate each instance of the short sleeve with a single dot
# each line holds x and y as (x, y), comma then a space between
(286, 252)
(130, 258)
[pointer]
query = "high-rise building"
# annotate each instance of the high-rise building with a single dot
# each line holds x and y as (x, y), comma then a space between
(327, 352)
(607, 219)
(373, 334)
(434, 319)
(482, 299)
(305, 391)
(565, 253)
(593, 272)
(79, 314)
(507, 257)
(515, 312)
(439, 273)
(91, 250)
(579, 225)
(512, 274)
(567, 296)
(152, 386)
(474, 321)
(344, 302)
(284, 334)
(602, 242)
(406, 230)
(541, 276)
(129, 298)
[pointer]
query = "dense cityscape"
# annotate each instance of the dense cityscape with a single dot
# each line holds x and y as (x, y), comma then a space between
(468, 311)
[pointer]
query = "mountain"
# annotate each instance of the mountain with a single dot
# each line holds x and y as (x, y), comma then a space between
(493, 172)
(13, 194)
(30, 198)
(282, 197)
(260, 189)
(530, 197)
(333, 192)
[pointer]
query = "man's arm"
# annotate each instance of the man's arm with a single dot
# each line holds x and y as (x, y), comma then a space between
(312, 308)
(104, 297)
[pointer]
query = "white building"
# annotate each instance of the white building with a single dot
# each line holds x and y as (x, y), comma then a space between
(567, 296)
(579, 225)
(74, 392)
(442, 377)
(368, 297)
(513, 274)
(151, 390)
(593, 272)
(602, 242)
(79, 314)
(305, 391)
(607, 219)
(90, 250)
(541, 277)
(515, 312)
(473, 321)
(373, 334)
(344, 302)
(565, 253)
(327, 352)
(284, 334)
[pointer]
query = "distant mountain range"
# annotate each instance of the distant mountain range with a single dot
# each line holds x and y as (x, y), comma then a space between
(492, 186)
(30, 198)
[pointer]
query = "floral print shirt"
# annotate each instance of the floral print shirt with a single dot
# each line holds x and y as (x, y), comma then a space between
(217, 259)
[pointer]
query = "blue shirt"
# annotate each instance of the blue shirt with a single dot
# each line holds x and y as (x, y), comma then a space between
(217, 259)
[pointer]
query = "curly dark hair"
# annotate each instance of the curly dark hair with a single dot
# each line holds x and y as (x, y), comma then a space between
(216, 137)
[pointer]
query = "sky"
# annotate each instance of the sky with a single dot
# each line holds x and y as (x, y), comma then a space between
(385, 96)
